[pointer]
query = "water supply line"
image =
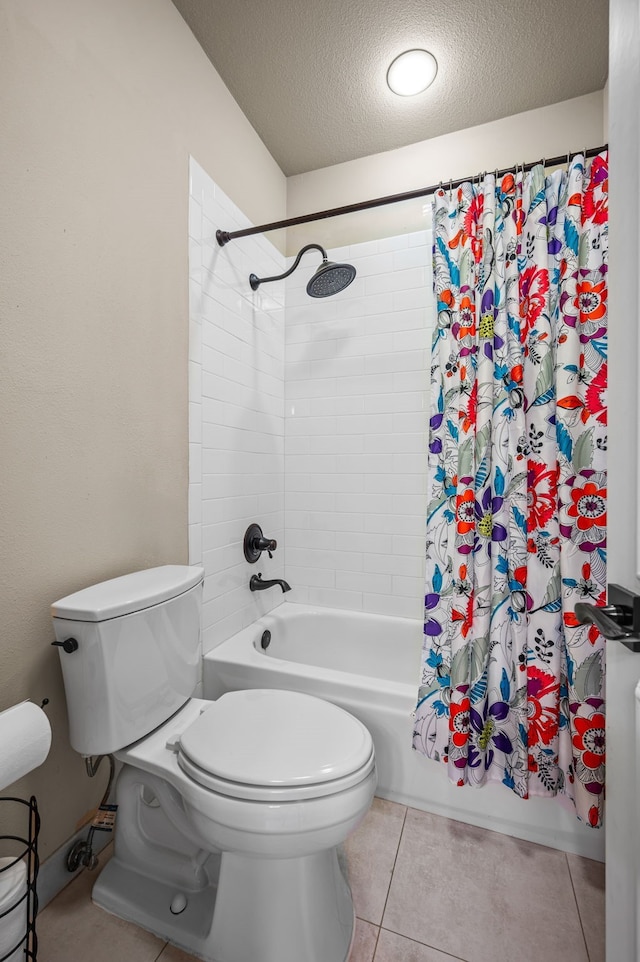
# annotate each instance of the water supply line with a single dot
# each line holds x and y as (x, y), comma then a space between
(81, 854)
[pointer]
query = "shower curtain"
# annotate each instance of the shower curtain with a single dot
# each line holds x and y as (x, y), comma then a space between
(512, 685)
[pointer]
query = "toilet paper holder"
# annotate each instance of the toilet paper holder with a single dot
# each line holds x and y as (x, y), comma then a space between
(12, 914)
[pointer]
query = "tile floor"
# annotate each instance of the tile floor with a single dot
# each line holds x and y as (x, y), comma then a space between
(425, 888)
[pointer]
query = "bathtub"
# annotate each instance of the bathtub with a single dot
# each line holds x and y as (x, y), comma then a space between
(369, 665)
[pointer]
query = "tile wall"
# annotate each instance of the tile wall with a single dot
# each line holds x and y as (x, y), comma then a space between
(236, 410)
(356, 389)
(326, 451)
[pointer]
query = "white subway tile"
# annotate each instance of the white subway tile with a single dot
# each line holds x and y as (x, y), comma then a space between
(299, 444)
(364, 424)
(311, 577)
(367, 384)
(195, 382)
(343, 405)
(195, 503)
(338, 444)
(421, 238)
(408, 300)
(310, 501)
(361, 581)
(322, 540)
(310, 557)
(409, 464)
(393, 484)
(221, 631)
(356, 541)
(362, 503)
(412, 257)
(393, 243)
(195, 422)
(411, 340)
(216, 510)
(399, 361)
(409, 587)
(195, 544)
(411, 421)
(333, 598)
(404, 565)
(406, 545)
(310, 426)
(335, 521)
(394, 606)
(393, 524)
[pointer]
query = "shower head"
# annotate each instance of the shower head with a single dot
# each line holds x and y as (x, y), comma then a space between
(329, 279)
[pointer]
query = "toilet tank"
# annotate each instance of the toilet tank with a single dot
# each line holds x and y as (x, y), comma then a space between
(138, 655)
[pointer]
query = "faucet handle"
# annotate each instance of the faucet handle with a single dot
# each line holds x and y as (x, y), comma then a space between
(266, 544)
(255, 543)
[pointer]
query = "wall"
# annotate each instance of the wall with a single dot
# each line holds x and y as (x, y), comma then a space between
(236, 410)
(571, 125)
(357, 380)
(102, 103)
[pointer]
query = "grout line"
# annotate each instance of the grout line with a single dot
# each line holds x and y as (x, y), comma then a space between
(427, 945)
(573, 889)
(393, 868)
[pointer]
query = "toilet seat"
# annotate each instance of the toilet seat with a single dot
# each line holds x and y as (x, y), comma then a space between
(272, 745)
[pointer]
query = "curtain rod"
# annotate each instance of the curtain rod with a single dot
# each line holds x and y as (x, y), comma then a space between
(223, 237)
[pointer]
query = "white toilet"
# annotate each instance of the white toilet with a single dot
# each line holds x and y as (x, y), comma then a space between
(230, 812)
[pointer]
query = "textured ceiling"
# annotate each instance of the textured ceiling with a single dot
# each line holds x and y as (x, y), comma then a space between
(310, 74)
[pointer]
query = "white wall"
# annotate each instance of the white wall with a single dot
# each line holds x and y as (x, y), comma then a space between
(357, 379)
(101, 103)
(571, 125)
(236, 410)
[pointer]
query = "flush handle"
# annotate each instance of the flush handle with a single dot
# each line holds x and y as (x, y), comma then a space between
(69, 645)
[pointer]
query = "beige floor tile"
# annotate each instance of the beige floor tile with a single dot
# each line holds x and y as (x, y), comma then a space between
(364, 944)
(482, 896)
(72, 929)
(371, 852)
(588, 884)
(395, 948)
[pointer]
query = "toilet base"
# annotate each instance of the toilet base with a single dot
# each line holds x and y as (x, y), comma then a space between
(273, 910)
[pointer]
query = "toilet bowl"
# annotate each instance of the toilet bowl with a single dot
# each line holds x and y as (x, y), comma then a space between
(231, 812)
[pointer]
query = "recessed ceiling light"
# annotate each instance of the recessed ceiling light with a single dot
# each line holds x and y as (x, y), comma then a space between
(412, 72)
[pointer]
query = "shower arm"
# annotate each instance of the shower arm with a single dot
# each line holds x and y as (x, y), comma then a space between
(257, 281)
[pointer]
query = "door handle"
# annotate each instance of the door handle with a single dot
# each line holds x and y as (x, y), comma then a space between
(619, 620)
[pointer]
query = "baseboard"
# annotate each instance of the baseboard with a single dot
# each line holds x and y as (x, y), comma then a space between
(54, 875)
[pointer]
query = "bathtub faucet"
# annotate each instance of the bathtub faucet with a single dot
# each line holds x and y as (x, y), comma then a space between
(257, 584)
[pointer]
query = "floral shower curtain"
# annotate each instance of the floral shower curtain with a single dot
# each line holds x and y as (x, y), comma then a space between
(512, 686)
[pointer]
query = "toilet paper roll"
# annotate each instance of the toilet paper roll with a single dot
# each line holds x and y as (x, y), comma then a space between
(25, 739)
(13, 927)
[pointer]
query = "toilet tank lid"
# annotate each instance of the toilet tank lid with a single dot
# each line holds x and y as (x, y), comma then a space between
(129, 593)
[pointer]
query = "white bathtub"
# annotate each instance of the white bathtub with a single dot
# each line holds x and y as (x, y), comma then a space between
(369, 664)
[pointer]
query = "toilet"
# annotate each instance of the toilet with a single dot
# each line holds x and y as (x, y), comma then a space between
(231, 813)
